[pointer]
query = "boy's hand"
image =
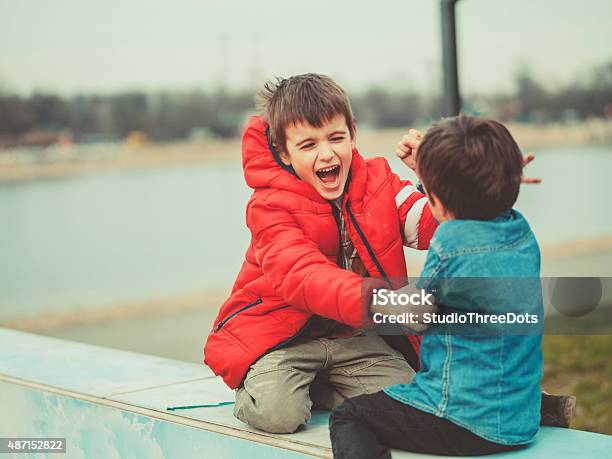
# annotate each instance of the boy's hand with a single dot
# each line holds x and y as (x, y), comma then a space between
(407, 148)
(526, 160)
(418, 311)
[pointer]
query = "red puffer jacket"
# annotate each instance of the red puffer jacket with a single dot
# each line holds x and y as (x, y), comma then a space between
(290, 270)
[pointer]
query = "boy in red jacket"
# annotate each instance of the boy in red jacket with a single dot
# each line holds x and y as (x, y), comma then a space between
(327, 227)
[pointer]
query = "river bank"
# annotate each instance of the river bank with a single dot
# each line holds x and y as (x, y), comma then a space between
(78, 159)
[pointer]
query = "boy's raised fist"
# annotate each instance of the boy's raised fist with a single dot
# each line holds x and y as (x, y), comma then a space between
(407, 148)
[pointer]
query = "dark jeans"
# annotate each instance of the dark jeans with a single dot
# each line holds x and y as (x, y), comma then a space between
(368, 425)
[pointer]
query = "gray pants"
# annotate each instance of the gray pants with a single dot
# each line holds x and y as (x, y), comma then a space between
(281, 388)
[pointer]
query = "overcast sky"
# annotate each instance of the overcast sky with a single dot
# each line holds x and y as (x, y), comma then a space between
(73, 46)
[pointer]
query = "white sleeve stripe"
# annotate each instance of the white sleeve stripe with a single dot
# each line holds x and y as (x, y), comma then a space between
(403, 194)
(411, 229)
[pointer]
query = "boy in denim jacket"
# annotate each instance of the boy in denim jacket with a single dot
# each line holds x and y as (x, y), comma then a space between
(478, 390)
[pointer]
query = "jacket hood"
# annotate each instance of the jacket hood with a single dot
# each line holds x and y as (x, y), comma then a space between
(264, 169)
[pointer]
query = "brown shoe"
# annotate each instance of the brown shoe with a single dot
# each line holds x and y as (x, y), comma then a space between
(557, 410)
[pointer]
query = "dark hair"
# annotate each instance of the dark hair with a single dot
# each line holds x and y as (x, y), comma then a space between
(472, 165)
(312, 98)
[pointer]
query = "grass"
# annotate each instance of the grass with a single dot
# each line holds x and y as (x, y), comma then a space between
(581, 365)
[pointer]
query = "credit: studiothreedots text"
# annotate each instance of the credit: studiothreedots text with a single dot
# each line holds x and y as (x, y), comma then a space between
(493, 306)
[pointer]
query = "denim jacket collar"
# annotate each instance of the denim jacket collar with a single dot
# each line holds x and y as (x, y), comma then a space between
(457, 237)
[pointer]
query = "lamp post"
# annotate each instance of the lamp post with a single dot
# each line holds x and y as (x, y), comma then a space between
(452, 97)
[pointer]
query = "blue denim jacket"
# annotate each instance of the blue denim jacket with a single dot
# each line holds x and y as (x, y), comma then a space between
(488, 383)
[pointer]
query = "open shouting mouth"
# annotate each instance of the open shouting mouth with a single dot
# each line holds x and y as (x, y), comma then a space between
(330, 176)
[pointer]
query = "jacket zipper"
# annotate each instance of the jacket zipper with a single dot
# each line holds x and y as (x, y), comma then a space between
(291, 338)
(367, 244)
(242, 309)
(340, 238)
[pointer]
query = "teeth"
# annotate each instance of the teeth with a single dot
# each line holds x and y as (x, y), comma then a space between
(327, 169)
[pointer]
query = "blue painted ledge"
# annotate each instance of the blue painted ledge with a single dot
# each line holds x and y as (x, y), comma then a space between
(111, 403)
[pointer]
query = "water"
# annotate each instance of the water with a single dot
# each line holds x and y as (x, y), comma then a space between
(135, 234)
(120, 236)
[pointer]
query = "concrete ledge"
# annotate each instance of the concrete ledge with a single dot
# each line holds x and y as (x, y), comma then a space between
(110, 403)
